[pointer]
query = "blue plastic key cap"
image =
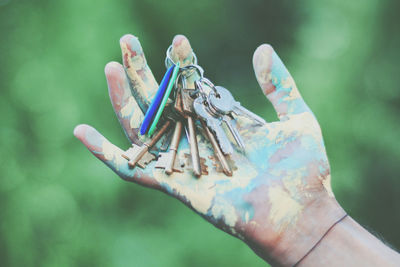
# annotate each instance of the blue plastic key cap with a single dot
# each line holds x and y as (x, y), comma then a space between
(155, 103)
(164, 100)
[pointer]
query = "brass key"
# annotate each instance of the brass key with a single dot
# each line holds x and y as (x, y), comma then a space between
(184, 106)
(136, 153)
(188, 113)
(167, 160)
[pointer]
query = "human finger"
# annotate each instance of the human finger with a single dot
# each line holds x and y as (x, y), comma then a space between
(277, 83)
(111, 155)
(144, 85)
(125, 106)
(181, 50)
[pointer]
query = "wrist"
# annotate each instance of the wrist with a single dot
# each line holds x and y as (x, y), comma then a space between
(287, 247)
(348, 243)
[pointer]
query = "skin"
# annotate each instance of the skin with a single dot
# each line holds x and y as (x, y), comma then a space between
(279, 199)
(349, 244)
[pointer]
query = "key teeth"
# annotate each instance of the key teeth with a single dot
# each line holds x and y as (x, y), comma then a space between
(142, 162)
(162, 161)
(160, 164)
(218, 165)
(146, 159)
(203, 165)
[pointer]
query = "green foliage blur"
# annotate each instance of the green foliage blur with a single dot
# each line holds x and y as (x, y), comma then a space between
(60, 206)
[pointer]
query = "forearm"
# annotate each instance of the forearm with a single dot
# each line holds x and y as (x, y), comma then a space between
(323, 236)
(349, 244)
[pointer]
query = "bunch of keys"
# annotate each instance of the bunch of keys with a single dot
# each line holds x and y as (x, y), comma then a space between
(201, 105)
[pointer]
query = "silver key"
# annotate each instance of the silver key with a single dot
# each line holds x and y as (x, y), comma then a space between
(231, 123)
(222, 102)
(215, 124)
(217, 150)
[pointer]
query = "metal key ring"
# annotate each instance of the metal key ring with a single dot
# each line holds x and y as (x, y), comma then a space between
(199, 87)
(189, 70)
(210, 84)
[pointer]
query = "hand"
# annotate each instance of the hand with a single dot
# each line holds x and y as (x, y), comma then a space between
(279, 200)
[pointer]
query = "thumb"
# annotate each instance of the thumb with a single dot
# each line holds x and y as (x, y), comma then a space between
(111, 155)
(277, 83)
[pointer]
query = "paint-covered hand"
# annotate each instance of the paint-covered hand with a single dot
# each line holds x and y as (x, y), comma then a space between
(279, 199)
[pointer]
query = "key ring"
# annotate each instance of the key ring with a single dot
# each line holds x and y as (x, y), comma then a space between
(189, 70)
(210, 84)
(199, 87)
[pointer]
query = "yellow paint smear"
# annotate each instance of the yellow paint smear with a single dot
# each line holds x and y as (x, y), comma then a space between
(200, 192)
(113, 153)
(294, 92)
(327, 185)
(284, 209)
(225, 210)
(132, 109)
(292, 181)
(137, 82)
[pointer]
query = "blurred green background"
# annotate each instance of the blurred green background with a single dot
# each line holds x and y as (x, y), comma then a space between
(59, 206)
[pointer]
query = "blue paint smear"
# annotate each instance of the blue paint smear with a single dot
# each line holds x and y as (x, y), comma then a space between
(135, 45)
(279, 71)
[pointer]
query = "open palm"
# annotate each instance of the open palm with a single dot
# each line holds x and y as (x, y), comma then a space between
(279, 184)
